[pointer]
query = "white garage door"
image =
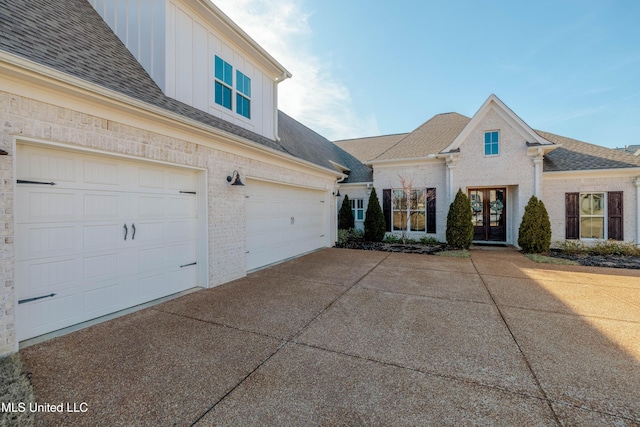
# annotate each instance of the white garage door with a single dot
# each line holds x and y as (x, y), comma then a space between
(110, 234)
(283, 221)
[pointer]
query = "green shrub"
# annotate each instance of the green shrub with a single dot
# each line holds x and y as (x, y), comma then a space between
(573, 247)
(345, 235)
(345, 216)
(429, 241)
(459, 222)
(534, 234)
(614, 247)
(374, 225)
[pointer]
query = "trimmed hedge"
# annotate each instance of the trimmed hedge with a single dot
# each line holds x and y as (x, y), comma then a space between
(459, 222)
(534, 234)
(374, 225)
(345, 216)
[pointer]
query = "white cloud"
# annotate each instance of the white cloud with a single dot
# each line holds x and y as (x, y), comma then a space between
(314, 96)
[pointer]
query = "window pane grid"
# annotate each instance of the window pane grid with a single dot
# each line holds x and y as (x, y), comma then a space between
(409, 210)
(357, 209)
(491, 143)
(592, 211)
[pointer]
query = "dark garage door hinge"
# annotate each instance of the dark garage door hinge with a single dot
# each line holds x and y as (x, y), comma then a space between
(22, 181)
(22, 301)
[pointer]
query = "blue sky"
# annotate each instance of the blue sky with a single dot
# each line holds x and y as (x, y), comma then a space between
(567, 67)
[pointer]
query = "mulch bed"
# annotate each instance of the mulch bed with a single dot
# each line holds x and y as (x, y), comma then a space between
(391, 247)
(611, 261)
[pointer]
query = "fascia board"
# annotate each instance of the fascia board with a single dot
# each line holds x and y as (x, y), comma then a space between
(592, 173)
(401, 162)
(34, 73)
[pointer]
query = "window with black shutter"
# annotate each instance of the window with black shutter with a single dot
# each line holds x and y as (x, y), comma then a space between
(614, 215)
(386, 207)
(572, 216)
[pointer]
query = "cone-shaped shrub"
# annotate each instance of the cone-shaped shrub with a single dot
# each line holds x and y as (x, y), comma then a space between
(459, 222)
(534, 235)
(345, 216)
(374, 225)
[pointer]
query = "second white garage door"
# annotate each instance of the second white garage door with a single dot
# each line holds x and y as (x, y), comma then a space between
(110, 234)
(283, 221)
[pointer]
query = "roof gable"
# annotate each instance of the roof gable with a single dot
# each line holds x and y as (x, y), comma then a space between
(493, 103)
(428, 139)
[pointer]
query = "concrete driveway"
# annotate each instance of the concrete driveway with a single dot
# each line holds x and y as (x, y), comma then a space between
(342, 337)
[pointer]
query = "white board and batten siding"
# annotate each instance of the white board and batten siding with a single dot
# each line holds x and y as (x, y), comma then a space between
(110, 234)
(177, 47)
(192, 45)
(141, 26)
(283, 221)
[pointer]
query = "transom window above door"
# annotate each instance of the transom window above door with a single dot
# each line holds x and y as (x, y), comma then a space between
(492, 143)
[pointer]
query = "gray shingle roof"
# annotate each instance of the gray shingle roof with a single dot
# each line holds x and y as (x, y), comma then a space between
(302, 142)
(368, 148)
(574, 155)
(71, 37)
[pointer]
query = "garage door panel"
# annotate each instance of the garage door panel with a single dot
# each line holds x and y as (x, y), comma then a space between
(71, 238)
(99, 237)
(182, 207)
(101, 206)
(53, 165)
(151, 207)
(44, 276)
(102, 172)
(43, 239)
(151, 178)
(185, 253)
(179, 231)
(102, 300)
(282, 221)
(48, 205)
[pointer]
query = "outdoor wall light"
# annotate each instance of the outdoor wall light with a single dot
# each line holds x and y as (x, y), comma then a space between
(235, 177)
(3, 153)
(336, 193)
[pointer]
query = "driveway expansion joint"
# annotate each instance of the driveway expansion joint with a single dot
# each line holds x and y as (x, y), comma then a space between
(524, 357)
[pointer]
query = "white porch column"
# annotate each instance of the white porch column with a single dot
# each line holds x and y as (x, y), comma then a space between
(637, 183)
(450, 186)
(537, 176)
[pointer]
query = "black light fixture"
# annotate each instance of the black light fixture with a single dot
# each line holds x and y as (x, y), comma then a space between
(235, 177)
(336, 193)
(3, 153)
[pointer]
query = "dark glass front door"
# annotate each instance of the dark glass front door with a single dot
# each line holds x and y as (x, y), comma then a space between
(489, 207)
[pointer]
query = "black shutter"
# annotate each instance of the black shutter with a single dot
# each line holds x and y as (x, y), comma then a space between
(572, 215)
(386, 207)
(431, 210)
(615, 218)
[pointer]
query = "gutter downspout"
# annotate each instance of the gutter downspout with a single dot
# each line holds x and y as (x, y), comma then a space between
(278, 80)
(637, 183)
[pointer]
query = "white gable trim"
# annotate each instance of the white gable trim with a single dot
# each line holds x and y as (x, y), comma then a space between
(495, 104)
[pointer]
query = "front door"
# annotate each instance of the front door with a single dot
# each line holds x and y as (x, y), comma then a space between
(489, 207)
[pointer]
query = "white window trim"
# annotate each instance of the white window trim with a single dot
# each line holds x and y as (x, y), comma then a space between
(355, 209)
(605, 216)
(484, 144)
(408, 210)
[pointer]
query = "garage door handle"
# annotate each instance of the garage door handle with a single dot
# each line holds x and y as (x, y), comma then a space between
(133, 227)
(22, 181)
(126, 231)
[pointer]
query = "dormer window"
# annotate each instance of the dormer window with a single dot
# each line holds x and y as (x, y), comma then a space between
(223, 83)
(491, 143)
(243, 95)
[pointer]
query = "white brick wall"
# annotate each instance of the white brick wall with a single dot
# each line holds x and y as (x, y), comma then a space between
(431, 174)
(555, 186)
(512, 168)
(28, 118)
